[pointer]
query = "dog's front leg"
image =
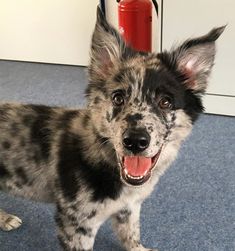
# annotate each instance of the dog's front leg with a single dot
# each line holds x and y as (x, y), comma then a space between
(75, 234)
(126, 225)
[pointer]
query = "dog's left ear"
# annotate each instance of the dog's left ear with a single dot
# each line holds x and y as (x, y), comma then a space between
(193, 60)
(106, 49)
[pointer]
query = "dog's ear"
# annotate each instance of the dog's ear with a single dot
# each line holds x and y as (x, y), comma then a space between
(106, 49)
(193, 60)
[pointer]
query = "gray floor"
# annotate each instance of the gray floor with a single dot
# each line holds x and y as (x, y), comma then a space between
(192, 208)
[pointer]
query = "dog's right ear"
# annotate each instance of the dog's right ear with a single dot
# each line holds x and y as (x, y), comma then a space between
(106, 49)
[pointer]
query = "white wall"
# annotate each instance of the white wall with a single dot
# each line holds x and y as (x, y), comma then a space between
(51, 31)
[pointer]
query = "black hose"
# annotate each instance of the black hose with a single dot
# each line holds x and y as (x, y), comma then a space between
(155, 6)
(102, 6)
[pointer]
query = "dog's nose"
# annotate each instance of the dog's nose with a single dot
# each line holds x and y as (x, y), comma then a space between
(136, 140)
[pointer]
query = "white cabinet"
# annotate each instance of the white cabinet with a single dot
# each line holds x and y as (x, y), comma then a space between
(51, 31)
(186, 18)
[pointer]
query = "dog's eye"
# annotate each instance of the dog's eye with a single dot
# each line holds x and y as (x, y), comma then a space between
(165, 103)
(118, 99)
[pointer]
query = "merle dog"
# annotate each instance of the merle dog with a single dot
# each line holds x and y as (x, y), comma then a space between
(104, 160)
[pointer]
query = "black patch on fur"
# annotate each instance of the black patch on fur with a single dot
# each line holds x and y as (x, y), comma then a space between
(193, 105)
(136, 101)
(108, 117)
(63, 240)
(116, 111)
(86, 120)
(66, 117)
(129, 91)
(40, 133)
(68, 173)
(92, 214)
(150, 128)
(37, 156)
(171, 64)
(132, 119)
(96, 87)
(123, 216)
(3, 112)
(14, 129)
(3, 171)
(28, 120)
(22, 142)
(84, 231)
(158, 83)
(63, 244)
(58, 220)
(59, 208)
(22, 175)
(119, 77)
(18, 184)
(97, 100)
(100, 139)
(101, 178)
(72, 218)
(161, 82)
(6, 145)
(42, 110)
(124, 75)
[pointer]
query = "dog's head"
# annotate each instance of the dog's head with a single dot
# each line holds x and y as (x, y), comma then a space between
(144, 104)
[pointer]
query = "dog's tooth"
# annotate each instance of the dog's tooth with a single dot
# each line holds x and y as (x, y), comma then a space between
(145, 173)
(126, 172)
(134, 177)
(129, 176)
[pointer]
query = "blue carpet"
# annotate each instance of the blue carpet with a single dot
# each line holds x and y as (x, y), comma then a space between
(192, 207)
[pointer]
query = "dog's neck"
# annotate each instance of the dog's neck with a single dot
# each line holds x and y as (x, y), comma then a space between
(96, 147)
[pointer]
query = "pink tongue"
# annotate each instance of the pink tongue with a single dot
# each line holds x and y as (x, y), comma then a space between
(137, 165)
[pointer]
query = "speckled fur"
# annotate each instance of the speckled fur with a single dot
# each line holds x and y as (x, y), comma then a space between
(69, 156)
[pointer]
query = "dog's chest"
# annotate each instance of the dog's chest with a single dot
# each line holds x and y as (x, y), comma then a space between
(128, 199)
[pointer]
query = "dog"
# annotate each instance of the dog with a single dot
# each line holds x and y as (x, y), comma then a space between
(104, 160)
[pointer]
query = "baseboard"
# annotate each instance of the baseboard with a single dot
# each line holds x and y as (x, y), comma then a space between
(218, 104)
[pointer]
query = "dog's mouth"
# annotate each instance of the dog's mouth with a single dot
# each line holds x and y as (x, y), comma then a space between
(137, 170)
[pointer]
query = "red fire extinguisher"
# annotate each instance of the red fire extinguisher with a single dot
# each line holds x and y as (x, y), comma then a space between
(135, 23)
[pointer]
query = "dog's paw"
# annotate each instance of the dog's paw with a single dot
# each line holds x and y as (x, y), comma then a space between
(10, 222)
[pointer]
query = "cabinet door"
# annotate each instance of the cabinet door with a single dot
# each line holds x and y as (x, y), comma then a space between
(186, 18)
(51, 31)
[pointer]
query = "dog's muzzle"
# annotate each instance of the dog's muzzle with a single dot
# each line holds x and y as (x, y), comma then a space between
(135, 168)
